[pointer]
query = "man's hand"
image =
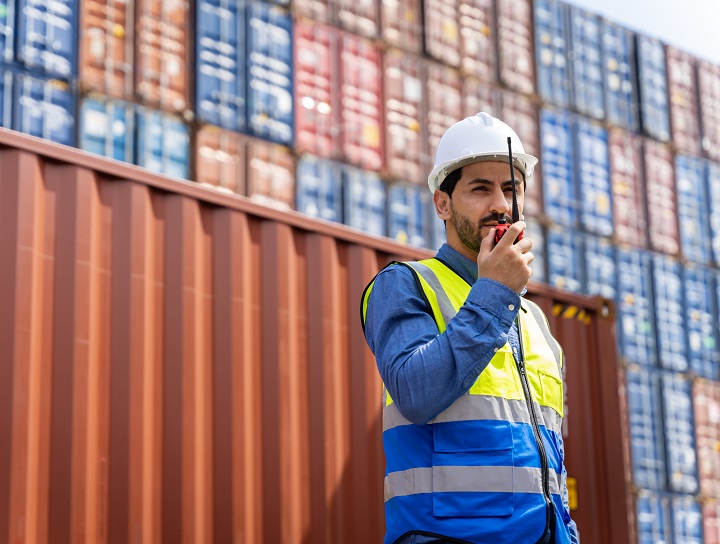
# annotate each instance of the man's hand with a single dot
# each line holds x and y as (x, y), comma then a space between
(507, 263)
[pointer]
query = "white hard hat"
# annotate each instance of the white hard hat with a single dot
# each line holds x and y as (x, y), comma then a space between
(481, 137)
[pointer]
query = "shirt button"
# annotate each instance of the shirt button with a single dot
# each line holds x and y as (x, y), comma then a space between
(495, 350)
(511, 307)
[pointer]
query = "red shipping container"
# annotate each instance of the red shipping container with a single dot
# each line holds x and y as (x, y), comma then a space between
(442, 34)
(709, 92)
(220, 159)
(444, 106)
(626, 185)
(317, 10)
(315, 129)
(661, 197)
(361, 17)
(361, 107)
(404, 132)
(402, 24)
(270, 174)
(515, 45)
(162, 55)
(711, 522)
(477, 39)
(706, 405)
(683, 101)
(106, 48)
(479, 96)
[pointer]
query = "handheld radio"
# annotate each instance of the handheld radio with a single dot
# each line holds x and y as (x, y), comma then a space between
(503, 225)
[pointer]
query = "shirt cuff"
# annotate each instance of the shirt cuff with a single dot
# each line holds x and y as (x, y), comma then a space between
(496, 298)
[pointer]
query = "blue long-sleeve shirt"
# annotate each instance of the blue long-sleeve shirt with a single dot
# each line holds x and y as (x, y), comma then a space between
(423, 371)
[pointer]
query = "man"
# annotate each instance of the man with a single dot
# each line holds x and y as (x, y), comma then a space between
(473, 378)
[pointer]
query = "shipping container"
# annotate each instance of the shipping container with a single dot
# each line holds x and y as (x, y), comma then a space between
(442, 32)
(679, 433)
(709, 99)
(586, 62)
(359, 17)
(221, 159)
(618, 50)
(703, 353)
(636, 322)
(706, 408)
(669, 319)
(6, 98)
(551, 52)
(661, 198)
(317, 10)
(653, 518)
(319, 188)
(593, 175)
(7, 31)
(713, 192)
(162, 143)
(404, 98)
(364, 201)
(536, 232)
(686, 520)
(564, 258)
(444, 107)
(107, 43)
(682, 88)
(402, 24)
(270, 174)
(692, 209)
(479, 96)
(600, 277)
(515, 45)
(144, 392)
(653, 91)
(646, 429)
(711, 521)
(477, 39)
(47, 37)
(408, 214)
(626, 182)
(560, 197)
(44, 108)
(107, 127)
(163, 63)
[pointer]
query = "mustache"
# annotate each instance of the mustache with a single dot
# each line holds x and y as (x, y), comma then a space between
(494, 218)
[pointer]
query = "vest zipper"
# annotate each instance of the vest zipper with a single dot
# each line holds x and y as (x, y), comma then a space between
(520, 363)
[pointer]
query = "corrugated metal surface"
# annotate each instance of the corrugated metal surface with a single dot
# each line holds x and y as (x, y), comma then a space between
(442, 30)
(686, 520)
(692, 209)
(679, 434)
(186, 366)
(7, 30)
(270, 174)
(703, 353)
(47, 36)
(561, 202)
(477, 39)
(107, 127)
(551, 52)
(444, 107)
(661, 198)
(515, 45)
(709, 98)
(565, 258)
(364, 201)
(652, 76)
(646, 429)
(636, 324)
(586, 62)
(713, 191)
(653, 518)
(600, 261)
(44, 108)
(221, 159)
(317, 10)
(620, 87)
(402, 24)
(593, 169)
(407, 214)
(162, 143)
(626, 181)
(479, 96)
(711, 522)
(359, 17)
(669, 319)
(536, 232)
(319, 188)
(706, 408)
(682, 88)
(6, 98)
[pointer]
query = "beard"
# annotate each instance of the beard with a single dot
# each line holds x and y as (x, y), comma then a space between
(469, 233)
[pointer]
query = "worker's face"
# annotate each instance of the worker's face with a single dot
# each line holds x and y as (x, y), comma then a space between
(482, 196)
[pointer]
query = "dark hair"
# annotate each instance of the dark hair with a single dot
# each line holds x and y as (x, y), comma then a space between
(450, 181)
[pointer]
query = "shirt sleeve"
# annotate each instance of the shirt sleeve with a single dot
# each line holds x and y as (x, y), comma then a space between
(425, 371)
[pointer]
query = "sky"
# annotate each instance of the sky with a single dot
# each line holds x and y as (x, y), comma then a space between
(690, 25)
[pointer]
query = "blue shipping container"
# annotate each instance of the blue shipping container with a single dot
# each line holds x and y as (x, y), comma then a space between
(47, 37)
(703, 353)
(270, 66)
(365, 201)
(6, 98)
(564, 258)
(692, 209)
(618, 46)
(587, 63)
(108, 128)
(669, 314)
(653, 518)
(7, 24)
(536, 233)
(593, 169)
(600, 267)
(551, 50)
(686, 520)
(646, 428)
(44, 108)
(407, 214)
(558, 173)
(713, 192)
(679, 433)
(652, 75)
(162, 143)
(319, 188)
(636, 326)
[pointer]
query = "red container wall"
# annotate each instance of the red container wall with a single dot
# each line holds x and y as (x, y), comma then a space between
(404, 97)
(626, 172)
(359, 17)
(402, 24)
(442, 33)
(477, 39)
(711, 522)
(106, 48)
(683, 101)
(220, 159)
(162, 57)
(661, 197)
(479, 96)
(270, 174)
(709, 92)
(444, 106)
(317, 10)
(706, 406)
(515, 45)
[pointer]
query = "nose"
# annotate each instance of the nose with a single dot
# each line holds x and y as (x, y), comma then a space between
(500, 203)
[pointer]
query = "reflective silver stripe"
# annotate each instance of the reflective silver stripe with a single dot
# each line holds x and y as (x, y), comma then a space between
(453, 479)
(447, 310)
(551, 342)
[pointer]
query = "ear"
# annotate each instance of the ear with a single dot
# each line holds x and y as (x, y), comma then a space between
(442, 204)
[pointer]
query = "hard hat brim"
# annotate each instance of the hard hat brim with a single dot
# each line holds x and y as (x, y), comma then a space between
(522, 161)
